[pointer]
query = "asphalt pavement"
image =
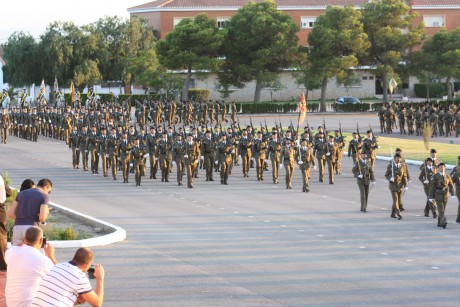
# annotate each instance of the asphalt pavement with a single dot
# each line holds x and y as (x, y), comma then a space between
(255, 243)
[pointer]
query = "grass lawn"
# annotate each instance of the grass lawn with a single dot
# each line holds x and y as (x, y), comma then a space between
(415, 150)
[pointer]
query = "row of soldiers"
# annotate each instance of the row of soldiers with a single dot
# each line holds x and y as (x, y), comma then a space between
(188, 112)
(443, 121)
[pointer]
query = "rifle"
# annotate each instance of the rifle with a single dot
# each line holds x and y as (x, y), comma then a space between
(261, 126)
(281, 127)
(266, 127)
(221, 131)
(357, 130)
(250, 122)
(239, 127)
(309, 132)
(340, 130)
(292, 130)
(324, 127)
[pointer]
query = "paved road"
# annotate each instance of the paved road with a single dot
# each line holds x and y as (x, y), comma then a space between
(254, 243)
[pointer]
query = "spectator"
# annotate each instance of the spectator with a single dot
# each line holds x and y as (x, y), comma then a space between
(67, 281)
(26, 268)
(30, 208)
(5, 192)
(27, 184)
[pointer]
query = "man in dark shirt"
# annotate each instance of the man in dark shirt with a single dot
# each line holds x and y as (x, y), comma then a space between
(29, 208)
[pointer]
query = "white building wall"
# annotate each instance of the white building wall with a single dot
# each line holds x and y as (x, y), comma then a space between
(291, 90)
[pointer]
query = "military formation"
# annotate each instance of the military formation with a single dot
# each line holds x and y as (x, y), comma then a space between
(189, 138)
(411, 119)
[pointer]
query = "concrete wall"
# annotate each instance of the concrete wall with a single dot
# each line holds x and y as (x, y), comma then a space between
(291, 88)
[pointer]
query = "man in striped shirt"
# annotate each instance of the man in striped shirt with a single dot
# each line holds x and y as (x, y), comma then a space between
(67, 282)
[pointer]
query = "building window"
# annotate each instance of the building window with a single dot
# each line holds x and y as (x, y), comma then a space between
(364, 77)
(371, 77)
(433, 21)
(221, 21)
(307, 22)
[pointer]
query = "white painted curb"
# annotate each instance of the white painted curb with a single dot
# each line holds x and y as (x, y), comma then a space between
(118, 234)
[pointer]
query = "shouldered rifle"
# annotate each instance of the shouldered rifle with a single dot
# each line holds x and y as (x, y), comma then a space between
(309, 132)
(250, 122)
(266, 127)
(357, 130)
(324, 127)
(392, 163)
(340, 130)
(221, 131)
(239, 127)
(281, 128)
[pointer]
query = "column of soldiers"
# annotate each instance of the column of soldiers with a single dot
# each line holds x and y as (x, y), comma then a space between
(411, 119)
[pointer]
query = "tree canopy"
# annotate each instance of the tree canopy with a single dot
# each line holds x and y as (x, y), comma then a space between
(260, 42)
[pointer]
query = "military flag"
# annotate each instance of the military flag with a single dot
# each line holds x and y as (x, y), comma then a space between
(56, 85)
(392, 85)
(43, 87)
(302, 108)
(72, 92)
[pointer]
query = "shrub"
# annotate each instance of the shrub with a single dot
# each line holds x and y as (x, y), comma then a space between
(437, 90)
(198, 94)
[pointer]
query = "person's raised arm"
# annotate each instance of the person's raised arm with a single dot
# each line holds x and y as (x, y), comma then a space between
(95, 298)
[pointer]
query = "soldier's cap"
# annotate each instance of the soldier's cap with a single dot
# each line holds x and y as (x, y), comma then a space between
(441, 164)
(165, 133)
(303, 140)
(429, 160)
(398, 149)
(189, 134)
(203, 127)
(131, 126)
(369, 131)
(320, 132)
(363, 152)
(169, 127)
(336, 130)
(355, 132)
(259, 132)
(331, 136)
(287, 141)
(304, 128)
(180, 128)
(397, 155)
(274, 128)
(151, 127)
(433, 150)
(320, 127)
(207, 131)
(103, 128)
(244, 130)
(273, 133)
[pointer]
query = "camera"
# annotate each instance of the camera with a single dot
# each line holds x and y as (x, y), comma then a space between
(44, 242)
(91, 272)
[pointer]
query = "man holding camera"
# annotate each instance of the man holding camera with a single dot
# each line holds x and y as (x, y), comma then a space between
(67, 283)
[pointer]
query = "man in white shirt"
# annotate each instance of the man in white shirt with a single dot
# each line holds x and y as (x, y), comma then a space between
(67, 282)
(26, 268)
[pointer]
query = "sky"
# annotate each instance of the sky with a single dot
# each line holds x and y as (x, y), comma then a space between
(33, 16)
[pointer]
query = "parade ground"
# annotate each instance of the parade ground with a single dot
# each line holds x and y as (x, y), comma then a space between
(254, 243)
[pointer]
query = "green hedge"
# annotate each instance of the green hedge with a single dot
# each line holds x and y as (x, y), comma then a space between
(269, 107)
(350, 107)
(198, 94)
(437, 90)
(108, 97)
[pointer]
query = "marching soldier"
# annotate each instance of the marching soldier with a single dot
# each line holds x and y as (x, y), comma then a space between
(152, 149)
(331, 152)
(305, 159)
(104, 150)
(93, 146)
(370, 146)
(354, 147)
(137, 156)
(288, 160)
(73, 145)
(364, 176)
(112, 145)
(340, 141)
(165, 156)
(274, 148)
(440, 187)
(224, 155)
(259, 147)
(208, 147)
(124, 149)
(455, 175)
(5, 125)
(178, 157)
(192, 152)
(82, 145)
(244, 150)
(318, 150)
(397, 179)
(425, 177)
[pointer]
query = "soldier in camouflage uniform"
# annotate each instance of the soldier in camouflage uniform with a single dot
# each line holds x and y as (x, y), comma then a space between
(364, 175)
(440, 187)
(425, 177)
(305, 159)
(455, 175)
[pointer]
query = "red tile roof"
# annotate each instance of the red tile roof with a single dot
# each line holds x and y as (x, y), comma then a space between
(240, 3)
